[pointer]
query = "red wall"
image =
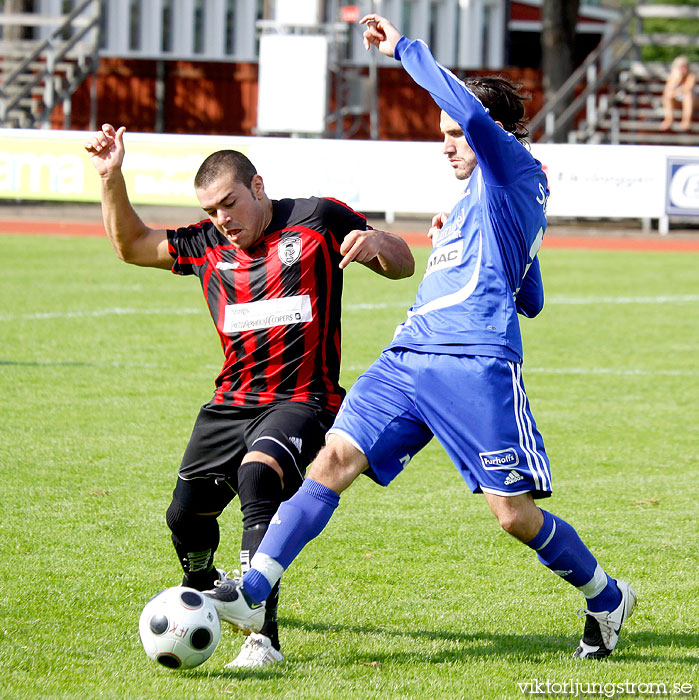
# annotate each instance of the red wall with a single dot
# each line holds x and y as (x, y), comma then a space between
(221, 98)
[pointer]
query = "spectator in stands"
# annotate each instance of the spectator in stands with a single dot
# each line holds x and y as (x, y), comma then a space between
(679, 90)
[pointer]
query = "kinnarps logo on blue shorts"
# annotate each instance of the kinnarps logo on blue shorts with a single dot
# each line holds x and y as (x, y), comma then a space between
(500, 459)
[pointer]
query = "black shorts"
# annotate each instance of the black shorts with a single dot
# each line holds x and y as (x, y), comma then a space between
(292, 432)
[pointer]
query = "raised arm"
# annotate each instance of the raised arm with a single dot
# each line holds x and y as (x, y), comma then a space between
(132, 240)
(495, 148)
(385, 253)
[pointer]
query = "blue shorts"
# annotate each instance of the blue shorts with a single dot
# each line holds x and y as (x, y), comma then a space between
(474, 405)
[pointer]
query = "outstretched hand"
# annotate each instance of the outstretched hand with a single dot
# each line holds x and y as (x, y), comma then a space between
(381, 33)
(106, 149)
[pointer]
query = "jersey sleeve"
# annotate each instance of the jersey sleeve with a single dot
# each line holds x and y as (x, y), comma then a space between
(186, 246)
(530, 298)
(340, 219)
(496, 149)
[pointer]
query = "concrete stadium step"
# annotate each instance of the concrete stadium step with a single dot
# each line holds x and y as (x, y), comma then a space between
(638, 126)
(644, 113)
(673, 138)
(640, 98)
(644, 88)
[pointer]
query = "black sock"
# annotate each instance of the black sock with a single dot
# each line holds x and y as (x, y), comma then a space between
(250, 542)
(260, 493)
(195, 538)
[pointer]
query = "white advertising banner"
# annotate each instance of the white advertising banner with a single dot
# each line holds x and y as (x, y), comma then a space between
(373, 176)
(604, 181)
(643, 182)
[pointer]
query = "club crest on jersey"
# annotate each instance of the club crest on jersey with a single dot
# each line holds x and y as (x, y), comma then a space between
(289, 250)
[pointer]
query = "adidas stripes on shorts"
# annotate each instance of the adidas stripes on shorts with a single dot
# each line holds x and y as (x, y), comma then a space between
(474, 405)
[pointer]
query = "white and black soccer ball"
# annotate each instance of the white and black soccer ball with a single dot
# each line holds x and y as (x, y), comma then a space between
(179, 628)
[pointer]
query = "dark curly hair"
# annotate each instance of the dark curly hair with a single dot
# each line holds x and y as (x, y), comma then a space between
(503, 100)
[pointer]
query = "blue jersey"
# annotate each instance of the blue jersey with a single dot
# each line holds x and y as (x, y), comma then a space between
(483, 268)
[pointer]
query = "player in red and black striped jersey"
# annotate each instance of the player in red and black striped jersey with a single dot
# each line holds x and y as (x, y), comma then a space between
(271, 272)
(275, 304)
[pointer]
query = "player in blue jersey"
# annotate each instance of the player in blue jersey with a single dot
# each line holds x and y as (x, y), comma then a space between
(453, 369)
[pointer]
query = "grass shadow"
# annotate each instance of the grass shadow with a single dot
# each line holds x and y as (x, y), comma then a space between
(527, 647)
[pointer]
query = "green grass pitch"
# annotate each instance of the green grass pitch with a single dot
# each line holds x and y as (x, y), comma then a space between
(412, 591)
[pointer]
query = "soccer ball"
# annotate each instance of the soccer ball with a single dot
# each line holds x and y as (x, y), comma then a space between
(179, 628)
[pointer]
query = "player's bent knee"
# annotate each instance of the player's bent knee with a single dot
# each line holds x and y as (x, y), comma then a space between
(510, 522)
(517, 515)
(258, 457)
(520, 524)
(338, 464)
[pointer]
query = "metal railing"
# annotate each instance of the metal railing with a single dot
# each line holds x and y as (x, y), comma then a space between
(595, 70)
(594, 76)
(40, 68)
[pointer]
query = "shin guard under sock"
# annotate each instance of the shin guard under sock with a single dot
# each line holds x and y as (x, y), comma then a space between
(195, 538)
(560, 549)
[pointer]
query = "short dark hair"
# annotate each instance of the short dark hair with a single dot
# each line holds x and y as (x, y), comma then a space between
(503, 100)
(225, 161)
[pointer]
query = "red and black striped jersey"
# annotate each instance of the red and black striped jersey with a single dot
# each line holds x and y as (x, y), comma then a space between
(277, 304)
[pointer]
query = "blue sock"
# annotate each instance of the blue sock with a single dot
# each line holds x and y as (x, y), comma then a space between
(559, 548)
(294, 525)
